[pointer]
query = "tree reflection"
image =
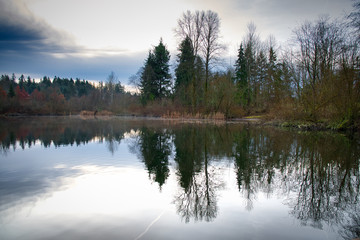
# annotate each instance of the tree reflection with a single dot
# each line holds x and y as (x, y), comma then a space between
(153, 147)
(199, 180)
(317, 174)
(326, 178)
(244, 167)
(60, 132)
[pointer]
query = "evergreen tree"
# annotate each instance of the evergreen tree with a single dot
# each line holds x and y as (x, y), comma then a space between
(273, 81)
(45, 83)
(147, 80)
(241, 78)
(155, 76)
(198, 83)
(30, 86)
(250, 69)
(162, 70)
(184, 73)
(260, 87)
(13, 78)
(21, 81)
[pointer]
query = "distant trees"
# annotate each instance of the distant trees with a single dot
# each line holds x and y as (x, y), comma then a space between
(60, 95)
(112, 88)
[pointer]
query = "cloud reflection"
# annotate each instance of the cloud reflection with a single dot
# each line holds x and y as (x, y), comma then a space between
(315, 175)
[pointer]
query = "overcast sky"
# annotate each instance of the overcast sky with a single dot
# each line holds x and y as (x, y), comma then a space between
(90, 38)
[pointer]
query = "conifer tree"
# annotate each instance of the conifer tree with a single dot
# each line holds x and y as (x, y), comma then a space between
(162, 70)
(184, 73)
(155, 77)
(241, 78)
(147, 82)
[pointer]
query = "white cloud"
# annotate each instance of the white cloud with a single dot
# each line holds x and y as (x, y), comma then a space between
(132, 25)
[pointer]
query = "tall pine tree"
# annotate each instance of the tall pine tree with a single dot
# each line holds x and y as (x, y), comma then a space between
(184, 73)
(148, 86)
(241, 78)
(155, 77)
(162, 70)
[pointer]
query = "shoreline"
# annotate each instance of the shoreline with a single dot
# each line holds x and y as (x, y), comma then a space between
(253, 120)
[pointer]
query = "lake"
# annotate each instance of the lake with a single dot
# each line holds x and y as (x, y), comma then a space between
(134, 178)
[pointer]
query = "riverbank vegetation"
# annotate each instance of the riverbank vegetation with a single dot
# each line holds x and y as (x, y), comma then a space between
(315, 79)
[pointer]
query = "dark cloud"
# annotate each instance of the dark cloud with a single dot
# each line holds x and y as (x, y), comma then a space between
(21, 31)
(31, 46)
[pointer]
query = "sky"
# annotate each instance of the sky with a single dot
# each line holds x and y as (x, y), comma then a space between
(88, 39)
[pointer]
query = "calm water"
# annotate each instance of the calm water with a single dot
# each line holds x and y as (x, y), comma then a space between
(71, 178)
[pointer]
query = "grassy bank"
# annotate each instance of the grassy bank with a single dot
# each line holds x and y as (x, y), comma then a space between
(170, 112)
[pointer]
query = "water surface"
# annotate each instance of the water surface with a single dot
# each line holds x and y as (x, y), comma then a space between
(123, 178)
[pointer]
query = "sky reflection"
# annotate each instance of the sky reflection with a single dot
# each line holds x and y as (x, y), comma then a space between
(139, 179)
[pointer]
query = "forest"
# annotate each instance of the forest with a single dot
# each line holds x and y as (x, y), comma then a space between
(315, 79)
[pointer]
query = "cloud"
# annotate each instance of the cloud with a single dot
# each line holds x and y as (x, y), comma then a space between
(28, 44)
(20, 187)
(73, 65)
(23, 32)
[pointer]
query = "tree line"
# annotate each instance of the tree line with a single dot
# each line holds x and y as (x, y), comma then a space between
(60, 95)
(315, 79)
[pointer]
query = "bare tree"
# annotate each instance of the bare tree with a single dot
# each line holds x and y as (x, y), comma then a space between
(251, 43)
(110, 85)
(203, 28)
(320, 46)
(210, 45)
(191, 25)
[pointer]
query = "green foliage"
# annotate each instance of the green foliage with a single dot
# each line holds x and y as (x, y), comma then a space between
(241, 78)
(162, 69)
(148, 86)
(185, 72)
(155, 77)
